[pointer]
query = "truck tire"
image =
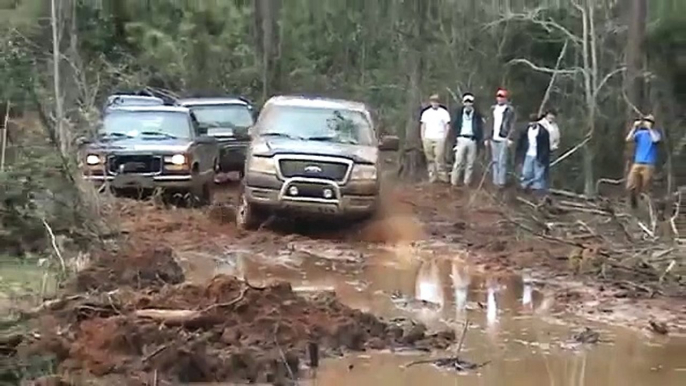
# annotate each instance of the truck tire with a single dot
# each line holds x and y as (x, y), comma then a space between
(202, 196)
(248, 216)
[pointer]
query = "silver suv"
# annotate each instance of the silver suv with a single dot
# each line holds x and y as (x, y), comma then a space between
(146, 148)
(311, 156)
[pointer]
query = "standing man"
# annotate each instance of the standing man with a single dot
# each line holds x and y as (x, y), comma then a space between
(464, 136)
(533, 147)
(646, 138)
(503, 116)
(549, 122)
(435, 124)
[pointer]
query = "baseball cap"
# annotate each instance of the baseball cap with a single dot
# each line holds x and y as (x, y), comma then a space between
(468, 97)
(502, 93)
(434, 97)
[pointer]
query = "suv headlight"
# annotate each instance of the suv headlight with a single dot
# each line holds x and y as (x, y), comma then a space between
(264, 165)
(176, 159)
(363, 172)
(93, 159)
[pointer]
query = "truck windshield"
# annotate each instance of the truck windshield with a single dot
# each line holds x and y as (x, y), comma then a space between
(316, 123)
(226, 115)
(144, 123)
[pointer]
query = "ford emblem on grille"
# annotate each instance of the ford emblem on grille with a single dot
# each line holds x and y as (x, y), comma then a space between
(313, 169)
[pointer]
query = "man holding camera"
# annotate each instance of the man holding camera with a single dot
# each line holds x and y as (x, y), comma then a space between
(646, 138)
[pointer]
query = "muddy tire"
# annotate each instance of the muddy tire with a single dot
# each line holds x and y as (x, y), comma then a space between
(201, 196)
(248, 216)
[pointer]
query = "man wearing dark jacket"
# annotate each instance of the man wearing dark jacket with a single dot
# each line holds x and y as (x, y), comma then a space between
(533, 147)
(464, 136)
(499, 138)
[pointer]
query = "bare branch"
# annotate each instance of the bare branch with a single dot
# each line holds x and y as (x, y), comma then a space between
(547, 70)
(549, 25)
(606, 78)
(548, 90)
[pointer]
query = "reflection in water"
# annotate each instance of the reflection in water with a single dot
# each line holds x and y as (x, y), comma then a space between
(461, 280)
(428, 288)
(527, 292)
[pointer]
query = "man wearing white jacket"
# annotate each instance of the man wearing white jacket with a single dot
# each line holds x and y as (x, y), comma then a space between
(548, 122)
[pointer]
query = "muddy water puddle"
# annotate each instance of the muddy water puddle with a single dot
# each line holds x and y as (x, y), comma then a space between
(511, 317)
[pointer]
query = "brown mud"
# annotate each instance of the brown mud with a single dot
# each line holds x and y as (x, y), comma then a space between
(225, 330)
(134, 312)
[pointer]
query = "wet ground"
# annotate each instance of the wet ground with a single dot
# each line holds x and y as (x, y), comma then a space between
(513, 319)
(439, 258)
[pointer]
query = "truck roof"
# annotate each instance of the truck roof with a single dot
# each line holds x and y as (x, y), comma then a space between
(158, 108)
(214, 101)
(317, 102)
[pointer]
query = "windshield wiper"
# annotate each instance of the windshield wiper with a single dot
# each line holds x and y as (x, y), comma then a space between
(114, 134)
(332, 139)
(158, 133)
(284, 135)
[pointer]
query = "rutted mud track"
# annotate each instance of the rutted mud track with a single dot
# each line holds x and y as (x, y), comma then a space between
(135, 313)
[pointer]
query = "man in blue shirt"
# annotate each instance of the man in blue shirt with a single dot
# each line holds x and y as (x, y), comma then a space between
(646, 138)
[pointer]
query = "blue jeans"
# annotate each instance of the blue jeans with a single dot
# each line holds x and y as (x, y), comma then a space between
(499, 151)
(533, 174)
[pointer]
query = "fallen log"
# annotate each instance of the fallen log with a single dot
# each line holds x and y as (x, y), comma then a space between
(170, 317)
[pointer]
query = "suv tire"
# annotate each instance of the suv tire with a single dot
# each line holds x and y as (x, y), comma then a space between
(248, 216)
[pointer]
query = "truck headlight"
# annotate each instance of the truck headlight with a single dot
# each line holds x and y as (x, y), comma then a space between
(264, 165)
(176, 159)
(363, 172)
(93, 159)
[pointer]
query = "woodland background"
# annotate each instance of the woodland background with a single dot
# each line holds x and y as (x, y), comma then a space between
(599, 62)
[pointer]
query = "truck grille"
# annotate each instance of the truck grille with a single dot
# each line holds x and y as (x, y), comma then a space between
(335, 171)
(134, 164)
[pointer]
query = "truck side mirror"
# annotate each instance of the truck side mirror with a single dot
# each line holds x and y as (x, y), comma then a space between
(389, 143)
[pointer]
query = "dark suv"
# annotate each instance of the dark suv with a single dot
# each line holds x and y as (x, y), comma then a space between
(228, 120)
(311, 156)
(152, 147)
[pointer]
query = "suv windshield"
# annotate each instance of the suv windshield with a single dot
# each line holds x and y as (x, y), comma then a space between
(315, 123)
(137, 123)
(224, 115)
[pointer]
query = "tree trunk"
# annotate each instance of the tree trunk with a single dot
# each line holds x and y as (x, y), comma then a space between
(60, 128)
(412, 159)
(633, 83)
(268, 43)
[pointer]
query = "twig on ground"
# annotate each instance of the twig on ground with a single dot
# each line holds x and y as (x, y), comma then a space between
(464, 334)
(669, 268)
(282, 354)
(54, 245)
(481, 184)
(227, 304)
(565, 193)
(607, 181)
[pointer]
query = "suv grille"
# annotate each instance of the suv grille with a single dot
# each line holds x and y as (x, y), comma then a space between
(135, 164)
(335, 171)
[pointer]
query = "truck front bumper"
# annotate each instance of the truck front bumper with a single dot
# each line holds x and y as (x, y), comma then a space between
(135, 181)
(311, 196)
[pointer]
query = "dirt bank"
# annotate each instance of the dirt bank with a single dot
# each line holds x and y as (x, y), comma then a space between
(225, 330)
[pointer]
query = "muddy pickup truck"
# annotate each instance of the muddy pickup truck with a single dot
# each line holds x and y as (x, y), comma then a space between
(147, 148)
(228, 120)
(312, 157)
